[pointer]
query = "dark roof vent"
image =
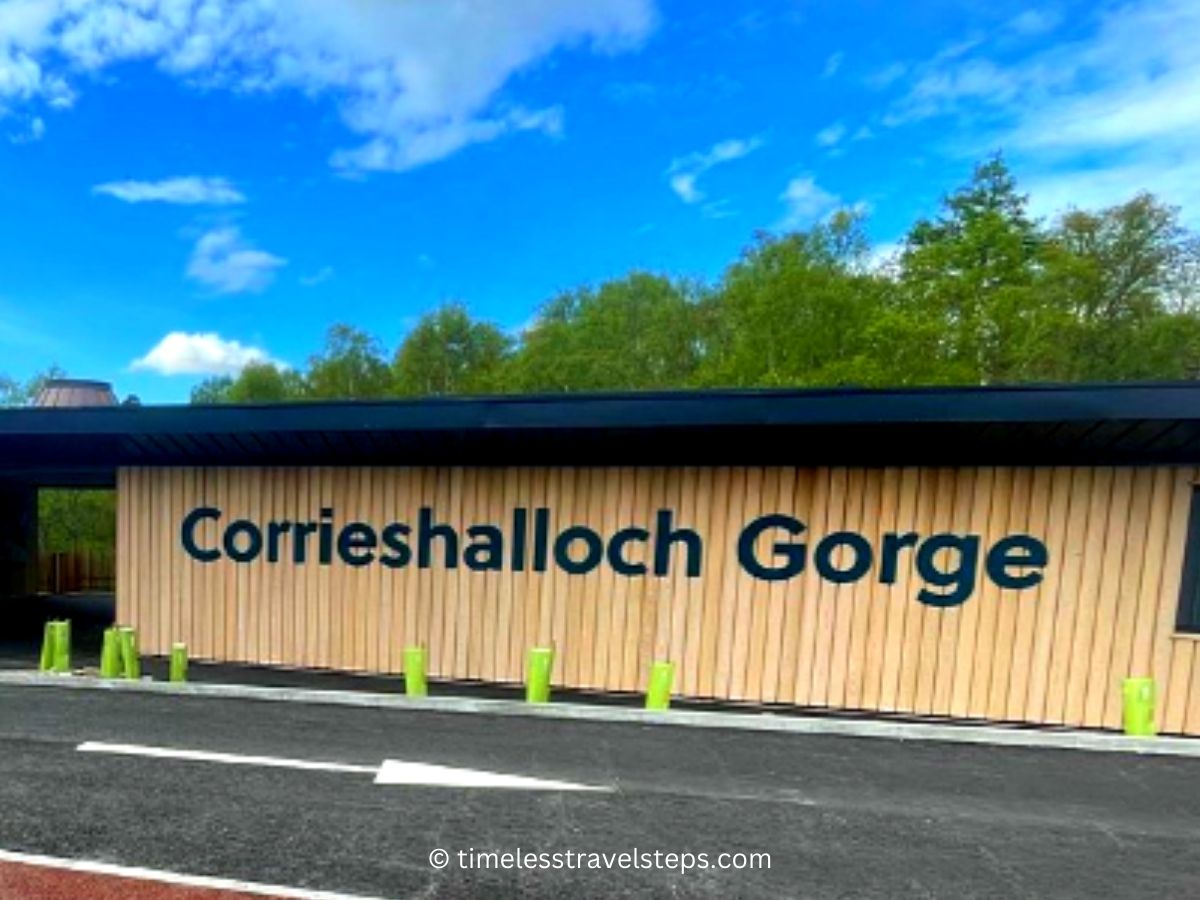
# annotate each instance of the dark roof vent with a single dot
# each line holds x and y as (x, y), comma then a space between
(74, 392)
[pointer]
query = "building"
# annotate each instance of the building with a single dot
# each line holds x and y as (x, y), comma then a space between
(1003, 554)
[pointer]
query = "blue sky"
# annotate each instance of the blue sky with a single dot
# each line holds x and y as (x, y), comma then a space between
(186, 185)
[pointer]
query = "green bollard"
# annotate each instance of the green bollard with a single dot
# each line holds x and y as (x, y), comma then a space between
(537, 682)
(110, 654)
(415, 684)
(62, 647)
(658, 695)
(179, 662)
(46, 663)
(130, 661)
(1139, 707)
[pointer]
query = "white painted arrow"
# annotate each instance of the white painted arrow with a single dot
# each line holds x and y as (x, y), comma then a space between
(233, 759)
(392, 771)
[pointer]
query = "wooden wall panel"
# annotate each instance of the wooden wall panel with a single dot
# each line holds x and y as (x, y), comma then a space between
(1055, 653)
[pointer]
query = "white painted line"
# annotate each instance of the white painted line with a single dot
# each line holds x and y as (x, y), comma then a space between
(157, 875)
(394, 771)
(236, 759)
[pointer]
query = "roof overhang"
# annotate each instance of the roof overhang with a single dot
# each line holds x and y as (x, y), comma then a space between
(1012, 426)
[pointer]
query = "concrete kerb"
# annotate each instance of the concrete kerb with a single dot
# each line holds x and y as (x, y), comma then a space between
(1089, 741)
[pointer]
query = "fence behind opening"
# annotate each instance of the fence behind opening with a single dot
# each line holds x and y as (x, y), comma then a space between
(75, 571)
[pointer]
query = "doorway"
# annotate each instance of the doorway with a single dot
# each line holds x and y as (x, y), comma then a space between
(76, 568)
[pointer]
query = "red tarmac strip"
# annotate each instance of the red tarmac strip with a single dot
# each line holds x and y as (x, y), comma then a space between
(19, 881)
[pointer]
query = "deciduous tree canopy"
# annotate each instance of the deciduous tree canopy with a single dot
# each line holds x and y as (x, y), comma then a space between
(981, 293)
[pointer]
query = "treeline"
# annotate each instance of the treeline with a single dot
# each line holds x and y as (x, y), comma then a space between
(981, 294)
(23, 393)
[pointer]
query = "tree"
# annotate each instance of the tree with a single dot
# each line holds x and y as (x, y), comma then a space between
(266, 383)
(640, 331)
(256, 383)
(1126, 279)
(16, 393)
(214, 389)
(11, 392)
(972, 271)
(448, 353)
(352, 366)
(982, 293)
(797, 309)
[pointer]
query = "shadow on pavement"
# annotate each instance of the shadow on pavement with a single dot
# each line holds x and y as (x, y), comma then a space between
(23, 619)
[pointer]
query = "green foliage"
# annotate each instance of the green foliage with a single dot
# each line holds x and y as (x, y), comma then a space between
(448, 353)
(800, 309)
(212, 390)
(352, 365)
(974, 271)
(980, 293)
(76, 520)
(1123, 284)
(16, 393)
(640, 331)
(256, 383)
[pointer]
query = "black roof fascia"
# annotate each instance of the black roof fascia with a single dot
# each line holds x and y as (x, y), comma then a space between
(1026, 425)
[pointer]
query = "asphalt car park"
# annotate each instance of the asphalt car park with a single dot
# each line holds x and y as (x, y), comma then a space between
(296, 795)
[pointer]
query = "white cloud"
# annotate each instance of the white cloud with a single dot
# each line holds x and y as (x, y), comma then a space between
(831, 134)
(191, 190)
(438, 141)
(942, 89)
(33, 131)
(319, 277)
(832, 63)
(684, 184)
(199, 353)
(717, 209)
(416, 80)
(684, 172)
(886, 76)
(223, 261)
(1091, 120)
(1136, 81)
(1053, 189)
(23, 27)
(805, 202)
(1034, 22)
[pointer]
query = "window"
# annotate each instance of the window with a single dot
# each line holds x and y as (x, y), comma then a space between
(1188, 617)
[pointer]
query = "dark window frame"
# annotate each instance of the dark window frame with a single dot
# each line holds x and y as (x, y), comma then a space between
(1187, 613)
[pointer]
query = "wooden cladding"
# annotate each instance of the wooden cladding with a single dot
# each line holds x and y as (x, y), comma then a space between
(76, 571)
(1053, 653)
